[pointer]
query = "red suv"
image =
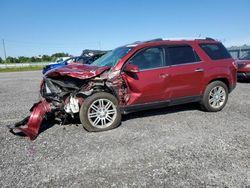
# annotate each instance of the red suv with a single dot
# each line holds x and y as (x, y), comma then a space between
(139, 76)
(244, 66)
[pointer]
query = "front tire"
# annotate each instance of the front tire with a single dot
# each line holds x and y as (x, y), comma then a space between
(100, 112)
(215, 97)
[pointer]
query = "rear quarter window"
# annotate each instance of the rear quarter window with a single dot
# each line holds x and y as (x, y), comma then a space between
(216, 51)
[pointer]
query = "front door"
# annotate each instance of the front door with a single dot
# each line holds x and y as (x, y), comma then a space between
(151, 83)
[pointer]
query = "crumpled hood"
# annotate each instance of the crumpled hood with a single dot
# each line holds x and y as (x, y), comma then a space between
(77, 70)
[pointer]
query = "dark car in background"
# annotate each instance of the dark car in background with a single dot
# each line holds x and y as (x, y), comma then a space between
(243, 63)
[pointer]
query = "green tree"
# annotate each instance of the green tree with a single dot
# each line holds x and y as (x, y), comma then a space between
(61, 54)
(23, 59)
(43, 58)
(33, 59)
(46, 58)
(12, 60)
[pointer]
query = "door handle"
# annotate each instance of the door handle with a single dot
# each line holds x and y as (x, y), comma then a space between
(164, 75)
(199, 70)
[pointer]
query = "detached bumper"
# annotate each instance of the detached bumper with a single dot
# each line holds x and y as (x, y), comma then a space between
(243, 75)
(30, 126)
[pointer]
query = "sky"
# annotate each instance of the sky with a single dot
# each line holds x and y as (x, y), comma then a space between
(37, 27)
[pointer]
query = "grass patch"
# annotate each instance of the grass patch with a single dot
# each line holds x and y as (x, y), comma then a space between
(19, 69)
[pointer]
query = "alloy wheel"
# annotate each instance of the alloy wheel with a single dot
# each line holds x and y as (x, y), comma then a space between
(217, 97)
(102, 113)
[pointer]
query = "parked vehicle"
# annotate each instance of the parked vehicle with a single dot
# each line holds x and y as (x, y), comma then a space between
(244, 67)
(61, 59)
(59, 64)
(139, 76)
(87, 57)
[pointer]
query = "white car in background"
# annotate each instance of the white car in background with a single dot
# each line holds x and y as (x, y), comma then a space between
(61, 59)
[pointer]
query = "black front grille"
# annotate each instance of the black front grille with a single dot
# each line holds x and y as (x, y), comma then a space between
(49, 90)
(60, 86)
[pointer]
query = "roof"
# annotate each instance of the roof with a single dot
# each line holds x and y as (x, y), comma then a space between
(186, 39)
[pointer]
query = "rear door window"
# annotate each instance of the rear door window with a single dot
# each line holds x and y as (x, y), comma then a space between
(216, 51)
(182, 55)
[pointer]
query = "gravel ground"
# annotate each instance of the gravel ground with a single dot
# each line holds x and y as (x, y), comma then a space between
(173, 147)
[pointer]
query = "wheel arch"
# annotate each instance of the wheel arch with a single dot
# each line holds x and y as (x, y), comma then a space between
(222, 79)
(96, 88)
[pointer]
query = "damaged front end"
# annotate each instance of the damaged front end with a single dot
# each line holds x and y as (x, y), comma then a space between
(62, 93)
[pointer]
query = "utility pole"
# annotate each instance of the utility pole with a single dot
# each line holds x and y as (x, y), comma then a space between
(100, 45)
(4, 49)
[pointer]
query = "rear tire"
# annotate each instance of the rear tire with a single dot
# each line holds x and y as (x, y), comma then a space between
(100, 112)
(215, 97)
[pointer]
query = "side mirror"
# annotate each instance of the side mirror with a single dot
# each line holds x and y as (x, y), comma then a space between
(131, 68)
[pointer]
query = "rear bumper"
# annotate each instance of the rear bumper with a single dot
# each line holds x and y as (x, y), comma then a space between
(243, 75)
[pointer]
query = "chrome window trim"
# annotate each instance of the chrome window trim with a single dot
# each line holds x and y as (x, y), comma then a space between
(154, 68)
(191, 63)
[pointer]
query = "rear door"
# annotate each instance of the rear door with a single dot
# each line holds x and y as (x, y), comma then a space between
(150, 84)
(187, 71)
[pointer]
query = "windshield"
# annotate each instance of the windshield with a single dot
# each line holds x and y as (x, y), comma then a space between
(246, 56)
(112, 57)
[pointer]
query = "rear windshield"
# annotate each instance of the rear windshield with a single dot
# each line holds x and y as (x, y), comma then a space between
(216, 51)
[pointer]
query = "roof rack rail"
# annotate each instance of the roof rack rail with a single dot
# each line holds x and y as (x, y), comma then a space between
(189, 38)
(177, 39)
(209, 38)
(154, 40)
